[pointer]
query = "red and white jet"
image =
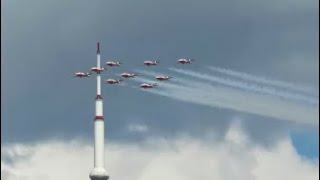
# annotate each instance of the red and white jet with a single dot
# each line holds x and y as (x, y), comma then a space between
(128, 75)
(82, 74)
(97, 70)
(112, 63)
(185, 61)
(113, 81)
(148, 85)
(151, 63)
(161, 78)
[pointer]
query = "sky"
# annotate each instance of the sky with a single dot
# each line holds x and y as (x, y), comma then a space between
(256, 77)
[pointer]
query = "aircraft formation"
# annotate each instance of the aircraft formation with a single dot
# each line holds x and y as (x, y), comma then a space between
(127, 75)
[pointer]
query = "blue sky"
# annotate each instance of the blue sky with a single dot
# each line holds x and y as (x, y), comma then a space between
(45, 42)
(306, 143)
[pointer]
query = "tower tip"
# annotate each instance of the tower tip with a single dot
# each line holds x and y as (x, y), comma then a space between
(98, 47)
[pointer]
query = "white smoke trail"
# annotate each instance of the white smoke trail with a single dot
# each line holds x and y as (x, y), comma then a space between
(249, 86)
(229, 98)
(263, 80)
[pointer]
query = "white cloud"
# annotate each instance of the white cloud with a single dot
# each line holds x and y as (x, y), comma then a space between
(139, 128)
(234, 158)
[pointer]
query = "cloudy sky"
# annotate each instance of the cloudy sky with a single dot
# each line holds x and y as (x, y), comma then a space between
(247, 108)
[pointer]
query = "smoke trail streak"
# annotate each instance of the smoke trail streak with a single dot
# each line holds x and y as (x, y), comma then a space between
(228, 98)
(266, 81)
(248, 86)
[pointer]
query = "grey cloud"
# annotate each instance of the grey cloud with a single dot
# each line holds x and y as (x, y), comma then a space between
(46, 41)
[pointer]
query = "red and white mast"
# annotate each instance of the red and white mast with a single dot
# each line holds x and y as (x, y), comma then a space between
(99, 172)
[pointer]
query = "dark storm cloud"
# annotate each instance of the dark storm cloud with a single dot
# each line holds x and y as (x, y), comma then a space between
(45, 42)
